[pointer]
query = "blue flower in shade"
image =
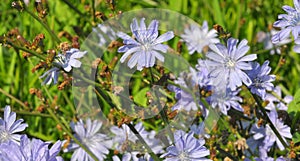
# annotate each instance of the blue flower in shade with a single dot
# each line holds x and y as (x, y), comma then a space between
(225, 100)
(188, 82)
(275, 103)
(257, 133)
(51, 75)
(283, 130)
(197, 38)
(265, 38)
(261, 80)
(145, 46)
(186, 147)
(34, 150)
(70, 59)
(226, 65)
(88, 134)
(9, 126)
(289, 23)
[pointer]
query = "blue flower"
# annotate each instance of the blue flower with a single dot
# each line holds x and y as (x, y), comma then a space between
(197, 38)
(51, 75)
(225, 100)
(261, 80)
(146, 46)
(9, 126)
(226, 65)
(34, 150)
(88, 134)
(283, 130)
(289, 23)
(265, 38)
(69, 60)
(190, 83)
(124, 138)
(275, 103)
(186, 147)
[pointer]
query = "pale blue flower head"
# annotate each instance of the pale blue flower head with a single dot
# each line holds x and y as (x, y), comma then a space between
(289, 23)
(197, 37)
(70, 59)
(30, 150)
(284, 131)
(225, 100)
(186, 147)
(226, 65)
(146, 45)
(88, 134)
(9, 126)
(261, 80)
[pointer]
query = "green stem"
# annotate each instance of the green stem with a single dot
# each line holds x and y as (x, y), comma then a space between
(25, 49)
(73, 7)
(43, 24)
(27, 113)
(263, 110)
(13, 98)
(132, 128)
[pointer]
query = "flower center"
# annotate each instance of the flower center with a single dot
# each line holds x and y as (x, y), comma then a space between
(4, 136)
(184, 156)
(230, 63)
(146, 47)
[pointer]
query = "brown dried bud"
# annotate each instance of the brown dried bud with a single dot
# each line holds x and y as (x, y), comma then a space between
(38, 41)
(100, 15)
(32, 90)
(65, 34)
(95, 63)
(75, 42)
(41, 108)
(65, 83)
(39, 66)
(64, 46)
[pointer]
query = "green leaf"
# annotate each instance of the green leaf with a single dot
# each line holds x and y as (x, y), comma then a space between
(140, 97)
(294, 106)
(296, 138)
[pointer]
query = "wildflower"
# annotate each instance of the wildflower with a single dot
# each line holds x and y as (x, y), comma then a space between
(265, 38)
(258, 134)
(146, 46)
(88, 134)
(224, 100)
(190, 81)
(34, 149)
(261, 80)
(69, 60)
(51, 75)
(124, 137)
(275, 103)
(289, 23)
(226, 64)
(9, 126)
(186, 147)
(283, 130)
(197, 38)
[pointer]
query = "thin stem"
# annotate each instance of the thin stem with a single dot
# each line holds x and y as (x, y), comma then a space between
(13, 98)
(25, 49)
(132, 128)
(27, 113)
(43, 24)
(263, 110)
(73, 7)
